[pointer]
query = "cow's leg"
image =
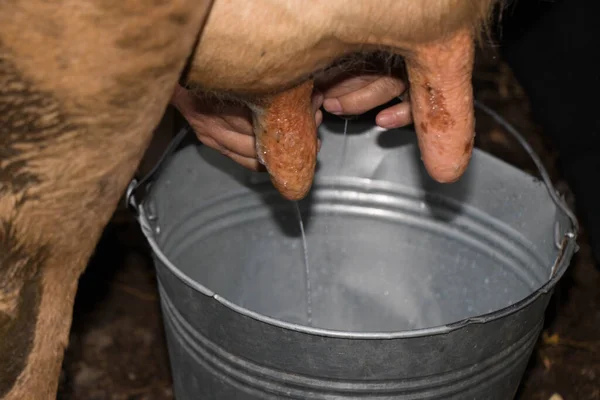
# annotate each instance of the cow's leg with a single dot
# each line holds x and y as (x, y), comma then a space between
(82, 85)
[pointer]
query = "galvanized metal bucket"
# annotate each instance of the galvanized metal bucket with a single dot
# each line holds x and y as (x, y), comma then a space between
(418, 290)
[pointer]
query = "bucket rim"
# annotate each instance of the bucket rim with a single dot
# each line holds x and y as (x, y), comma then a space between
(567, 249)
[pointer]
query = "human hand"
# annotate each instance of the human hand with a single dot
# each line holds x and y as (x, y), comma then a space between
(226, 128)
(445, 142)
(354, 94)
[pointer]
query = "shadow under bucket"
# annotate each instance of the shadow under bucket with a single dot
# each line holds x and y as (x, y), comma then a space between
(419, 290)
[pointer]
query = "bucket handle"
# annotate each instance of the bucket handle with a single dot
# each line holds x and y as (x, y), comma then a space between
(561, 243)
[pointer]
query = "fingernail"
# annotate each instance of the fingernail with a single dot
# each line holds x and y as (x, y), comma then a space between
(385, 120)
(333, 106)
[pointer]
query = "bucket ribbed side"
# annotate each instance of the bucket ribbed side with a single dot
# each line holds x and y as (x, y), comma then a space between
(486, 246)
(217, 364)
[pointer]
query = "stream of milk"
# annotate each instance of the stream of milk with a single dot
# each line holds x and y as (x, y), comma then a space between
(306, 267)
(309, 310)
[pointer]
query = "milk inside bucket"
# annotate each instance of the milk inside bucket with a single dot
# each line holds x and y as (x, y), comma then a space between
(403, 288)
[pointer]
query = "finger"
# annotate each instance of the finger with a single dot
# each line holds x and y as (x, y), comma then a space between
(395, 116)
(236, 118)
(318, 118)
(237, 143)
(247, 162)
(442, 104)
(233, 142)
(363, 99)
(345, 84)
(317, 100)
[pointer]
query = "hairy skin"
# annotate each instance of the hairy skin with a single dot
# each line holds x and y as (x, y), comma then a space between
(277, 44)
(83, 83)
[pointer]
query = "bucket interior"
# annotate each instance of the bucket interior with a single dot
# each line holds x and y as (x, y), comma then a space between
(388, 249)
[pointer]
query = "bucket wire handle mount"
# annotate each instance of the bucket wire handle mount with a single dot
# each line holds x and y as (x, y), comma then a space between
(561, 243)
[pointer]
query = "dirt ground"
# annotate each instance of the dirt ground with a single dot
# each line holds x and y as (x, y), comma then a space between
(117, 348)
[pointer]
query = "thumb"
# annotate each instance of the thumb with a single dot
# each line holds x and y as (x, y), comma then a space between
(441, 96)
